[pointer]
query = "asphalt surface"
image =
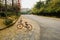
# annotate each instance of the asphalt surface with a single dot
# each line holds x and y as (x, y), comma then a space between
(49, 27)
(15, 33)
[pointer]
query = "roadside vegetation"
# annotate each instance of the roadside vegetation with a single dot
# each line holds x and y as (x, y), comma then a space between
(47, 8)
(9, 13)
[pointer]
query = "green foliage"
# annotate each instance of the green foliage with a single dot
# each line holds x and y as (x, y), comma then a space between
(8, 9)
(8, 21)
(2, 14)
(39, 4)
(51, 8)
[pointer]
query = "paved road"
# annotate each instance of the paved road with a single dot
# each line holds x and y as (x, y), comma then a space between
(49, 27)
(14, 33)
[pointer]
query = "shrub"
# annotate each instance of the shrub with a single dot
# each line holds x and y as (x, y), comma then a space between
(8, 21)
(2, 14)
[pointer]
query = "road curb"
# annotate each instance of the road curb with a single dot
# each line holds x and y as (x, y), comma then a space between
(9, 25)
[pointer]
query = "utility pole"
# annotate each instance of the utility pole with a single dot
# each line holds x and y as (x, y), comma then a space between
(19, 5)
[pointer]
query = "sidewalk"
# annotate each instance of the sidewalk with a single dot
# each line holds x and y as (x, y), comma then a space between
(13, 33)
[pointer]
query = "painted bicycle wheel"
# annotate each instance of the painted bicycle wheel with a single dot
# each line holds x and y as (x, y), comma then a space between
(29, 27)
(19, 26)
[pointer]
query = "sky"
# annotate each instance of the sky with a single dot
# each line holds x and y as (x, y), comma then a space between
(28, 3)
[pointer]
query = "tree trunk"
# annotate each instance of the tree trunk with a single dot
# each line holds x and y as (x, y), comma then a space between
(6, 8)
(12, 4)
